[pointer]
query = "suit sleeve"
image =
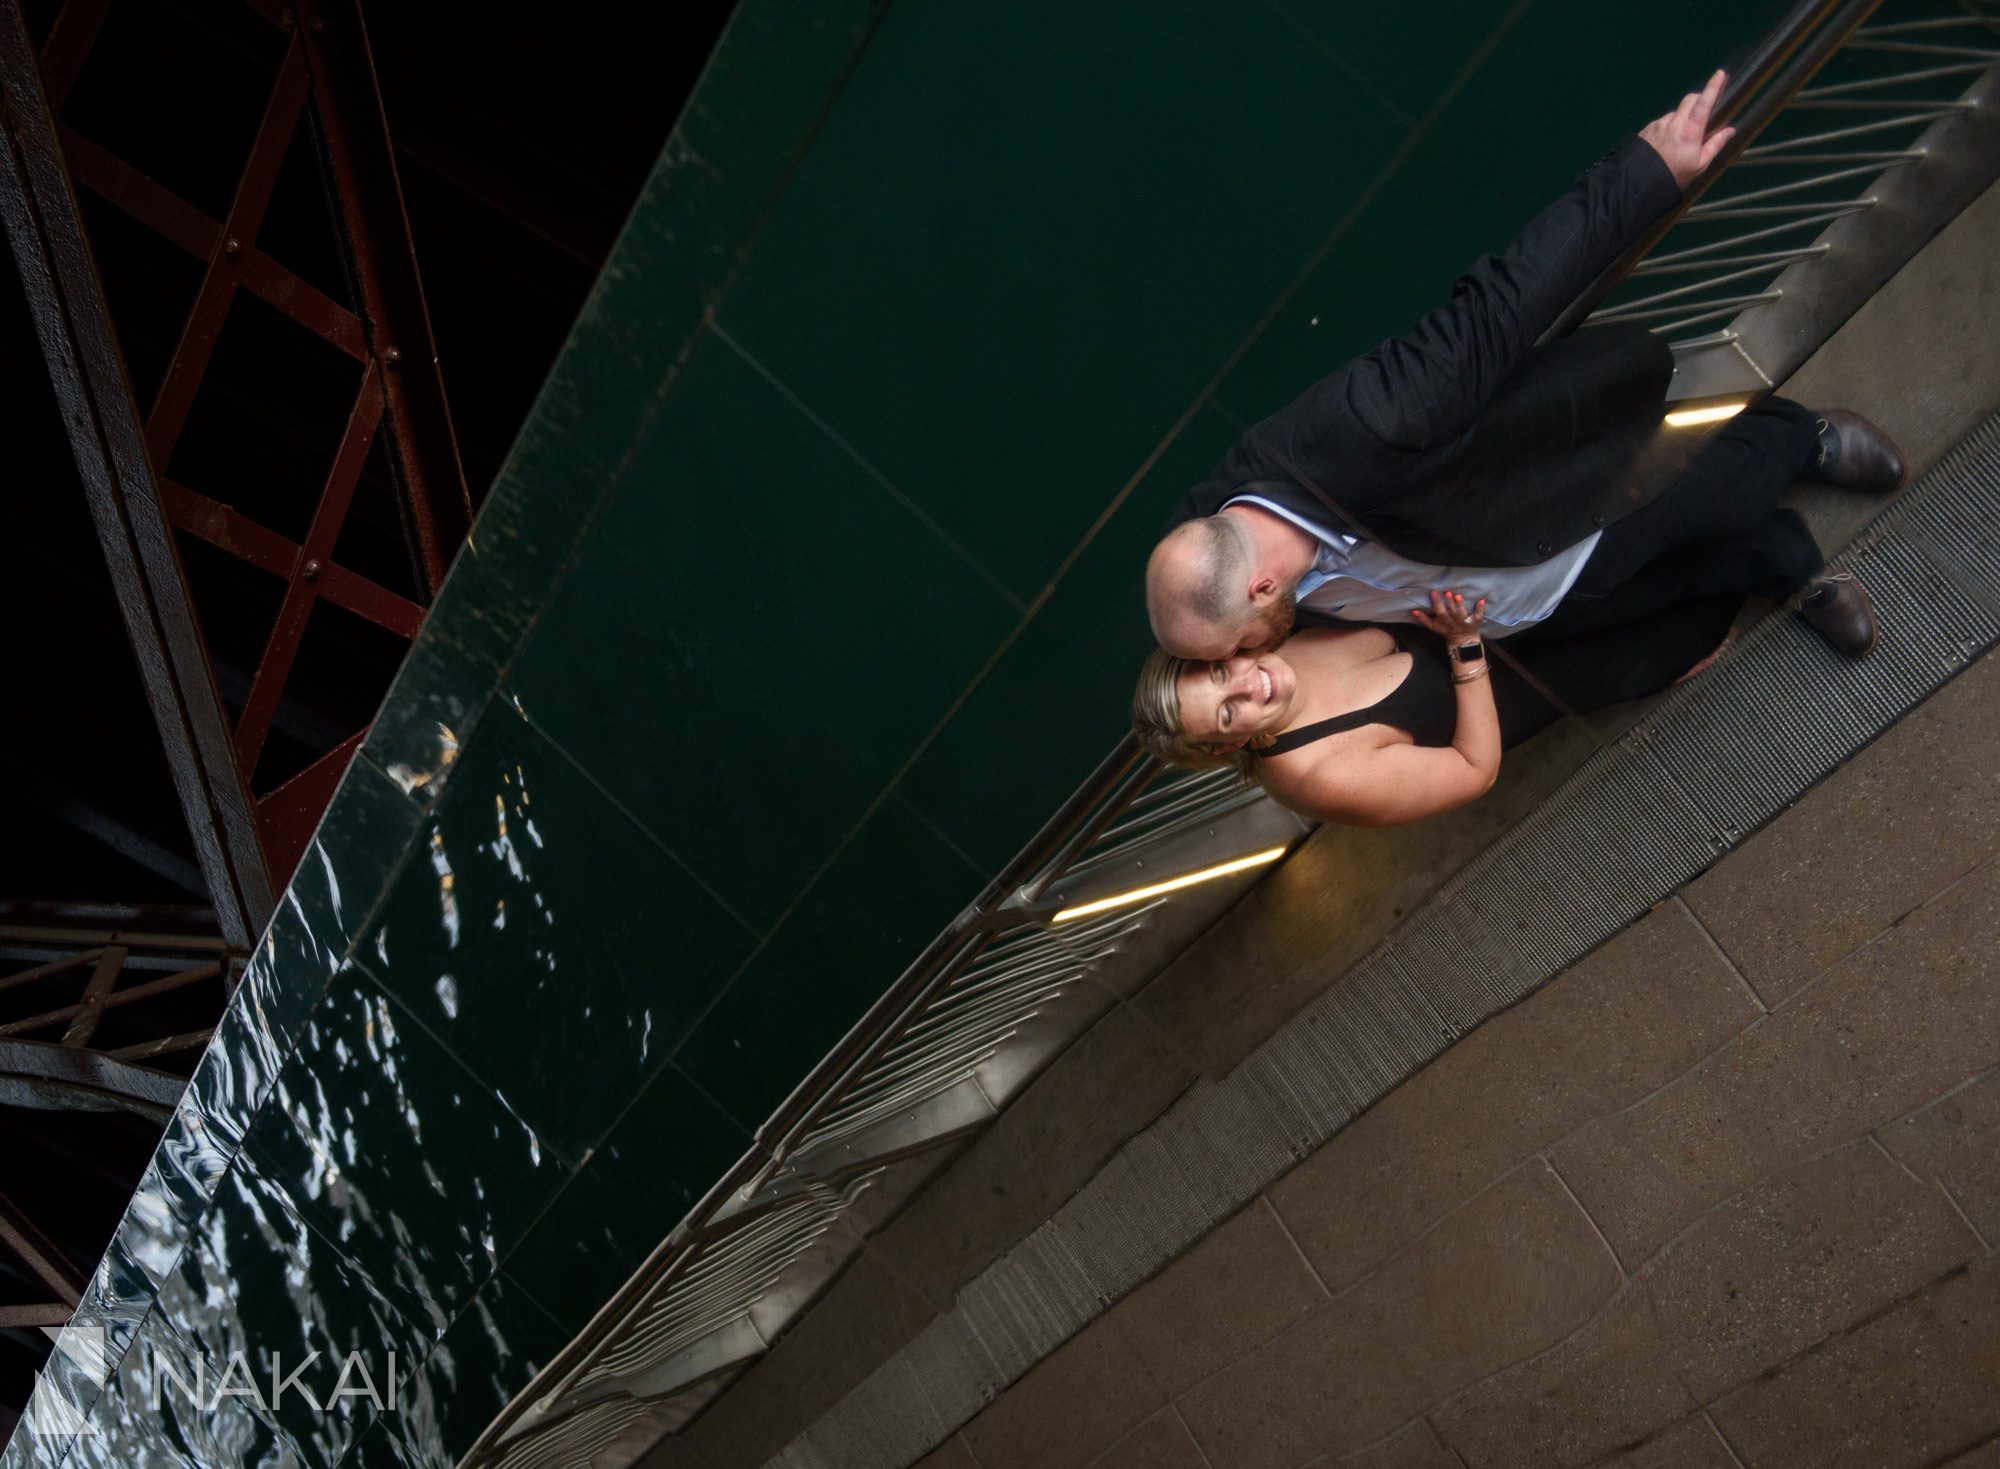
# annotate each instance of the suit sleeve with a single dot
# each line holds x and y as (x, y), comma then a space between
(1424, 388)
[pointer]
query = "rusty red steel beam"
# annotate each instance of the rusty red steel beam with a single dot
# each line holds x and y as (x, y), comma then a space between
(161, 210)
(354, 138)
(281, 648)
(288, 815)
(29, 1024)
(306, 304)
(45, 229)
(327, 67)
(228, 529)
(112, 1000)
(54, 966)
(164, 1046)
(101, 997)
(171, 217)
(178, 980)
(203, 329)
(90, 1009)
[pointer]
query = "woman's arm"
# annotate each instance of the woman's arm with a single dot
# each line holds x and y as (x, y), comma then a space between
(1397, 783)
(1385, 787)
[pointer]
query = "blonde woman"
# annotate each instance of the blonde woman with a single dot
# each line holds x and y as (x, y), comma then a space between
(1373, 726)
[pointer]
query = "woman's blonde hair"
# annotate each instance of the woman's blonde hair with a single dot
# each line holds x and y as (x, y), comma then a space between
(1156, 720)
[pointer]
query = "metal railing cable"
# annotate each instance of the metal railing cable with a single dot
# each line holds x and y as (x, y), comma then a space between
(1757, 90)
(1807, 160)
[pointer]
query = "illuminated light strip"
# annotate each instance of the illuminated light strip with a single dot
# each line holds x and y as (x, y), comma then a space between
(1715, 413)
(1171, 885)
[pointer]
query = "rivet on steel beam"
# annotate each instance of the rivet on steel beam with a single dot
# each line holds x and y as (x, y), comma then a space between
(312, 570)
(232, 247)
(318, 26)
(391, 357)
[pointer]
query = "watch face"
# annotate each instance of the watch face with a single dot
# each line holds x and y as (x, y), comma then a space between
(1468, 652)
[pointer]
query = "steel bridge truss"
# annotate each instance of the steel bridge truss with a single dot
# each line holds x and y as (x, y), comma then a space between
(247, 838)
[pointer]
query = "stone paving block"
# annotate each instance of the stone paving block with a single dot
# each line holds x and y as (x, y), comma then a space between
(1161, 1442)
(1231, 1293)
(1334, 899)
(1610, 1384)
(1416, 1447)
(1957, 1142)
(1069, 1409)
(1504, 1278)
(1906, 1390)
(1899, 1023)
(1114, 1081)
(1689, 1445)
(1627, 1019)
(951, 1454)
(852, 1329)
(1987, 1456)
(1915, 811)
(1797, 1257)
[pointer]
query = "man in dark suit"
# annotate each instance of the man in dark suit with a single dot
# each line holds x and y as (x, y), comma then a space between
(1465, 456)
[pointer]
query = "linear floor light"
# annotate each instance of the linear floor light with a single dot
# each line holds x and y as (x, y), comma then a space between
(1713, 413)
(1170, 885)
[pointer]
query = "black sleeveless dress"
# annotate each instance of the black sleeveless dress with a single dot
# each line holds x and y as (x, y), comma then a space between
(1423, 705)
(1536, 678)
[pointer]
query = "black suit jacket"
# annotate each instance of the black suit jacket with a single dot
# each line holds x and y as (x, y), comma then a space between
(1464, 443)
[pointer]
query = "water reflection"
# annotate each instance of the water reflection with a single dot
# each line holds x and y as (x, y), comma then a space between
(447, 887)
(413, 778)
(366, 1180)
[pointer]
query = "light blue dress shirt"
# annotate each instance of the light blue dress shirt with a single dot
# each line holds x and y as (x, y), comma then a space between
(1360, 581)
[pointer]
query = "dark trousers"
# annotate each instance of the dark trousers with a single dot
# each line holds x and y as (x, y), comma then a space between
(1716, 531)
(1538, 676)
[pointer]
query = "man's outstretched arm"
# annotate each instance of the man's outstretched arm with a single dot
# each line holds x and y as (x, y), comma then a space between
(1423, 388)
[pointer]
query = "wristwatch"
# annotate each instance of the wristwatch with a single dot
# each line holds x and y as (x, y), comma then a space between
(1470, 652)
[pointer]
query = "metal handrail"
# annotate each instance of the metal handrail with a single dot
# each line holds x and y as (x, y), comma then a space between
(1779, 66)
(1906, 146)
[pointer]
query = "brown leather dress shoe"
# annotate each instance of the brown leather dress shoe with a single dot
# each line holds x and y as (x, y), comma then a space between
(1855, 454)
(1839, 609)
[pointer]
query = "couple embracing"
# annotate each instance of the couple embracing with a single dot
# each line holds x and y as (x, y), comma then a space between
(1461, 486)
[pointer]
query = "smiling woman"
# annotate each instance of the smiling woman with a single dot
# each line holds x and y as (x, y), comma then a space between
(1372, 726)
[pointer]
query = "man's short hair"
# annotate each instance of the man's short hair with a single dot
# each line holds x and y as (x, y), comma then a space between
(1213, 558)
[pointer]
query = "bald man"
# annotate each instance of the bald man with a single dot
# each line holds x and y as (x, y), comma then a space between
(1464, 456)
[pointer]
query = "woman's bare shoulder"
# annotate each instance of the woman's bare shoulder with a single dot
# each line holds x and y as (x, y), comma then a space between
(1327, 779)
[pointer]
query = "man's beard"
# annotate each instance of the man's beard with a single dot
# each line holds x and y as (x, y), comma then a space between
(1274, 623)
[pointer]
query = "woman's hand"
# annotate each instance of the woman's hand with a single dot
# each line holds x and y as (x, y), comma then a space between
(1450, 619)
